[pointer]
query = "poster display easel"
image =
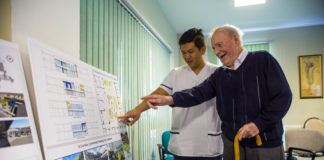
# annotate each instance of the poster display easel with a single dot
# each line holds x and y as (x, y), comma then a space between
(77, 107)
(18, 136)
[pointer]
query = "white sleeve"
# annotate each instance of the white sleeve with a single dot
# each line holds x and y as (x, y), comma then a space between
(168, 82)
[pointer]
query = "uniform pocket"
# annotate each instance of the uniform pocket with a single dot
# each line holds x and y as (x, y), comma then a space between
(174, 132)
(215, 143)
(174, 142)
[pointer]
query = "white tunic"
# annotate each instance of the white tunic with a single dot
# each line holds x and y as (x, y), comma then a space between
(195, 130)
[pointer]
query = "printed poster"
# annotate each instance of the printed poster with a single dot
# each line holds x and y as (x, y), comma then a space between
(17, 128)
(77, 106)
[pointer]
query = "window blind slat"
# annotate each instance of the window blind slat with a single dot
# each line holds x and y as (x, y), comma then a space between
(113, 40)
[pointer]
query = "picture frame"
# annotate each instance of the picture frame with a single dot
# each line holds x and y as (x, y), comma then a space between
(310, 76)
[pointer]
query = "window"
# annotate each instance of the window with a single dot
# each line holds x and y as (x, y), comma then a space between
(257, 46)
(241, 3)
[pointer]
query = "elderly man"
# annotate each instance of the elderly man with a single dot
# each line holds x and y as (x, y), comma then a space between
(252, 93)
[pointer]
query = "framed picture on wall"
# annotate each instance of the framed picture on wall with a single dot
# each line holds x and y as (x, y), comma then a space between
(310, 76)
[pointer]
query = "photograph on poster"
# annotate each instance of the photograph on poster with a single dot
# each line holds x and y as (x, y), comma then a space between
(15, 132)
(99, 153)
(124, 138)
(112, 151)
(126, 146)
(116, 151)
(78, 156)
(12, 105)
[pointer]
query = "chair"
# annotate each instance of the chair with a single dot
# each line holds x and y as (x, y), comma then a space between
(315, 123)
(305, 143)
(164, 153)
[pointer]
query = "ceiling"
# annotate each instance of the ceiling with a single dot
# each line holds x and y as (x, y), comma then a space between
(274, 14)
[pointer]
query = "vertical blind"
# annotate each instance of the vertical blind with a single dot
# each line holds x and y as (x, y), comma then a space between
(257, 46)
(114, 41)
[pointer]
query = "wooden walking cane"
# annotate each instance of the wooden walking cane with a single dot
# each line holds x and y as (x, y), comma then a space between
(237, 145)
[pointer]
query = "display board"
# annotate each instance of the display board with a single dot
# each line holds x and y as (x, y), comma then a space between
(18, 136)
(77, 106)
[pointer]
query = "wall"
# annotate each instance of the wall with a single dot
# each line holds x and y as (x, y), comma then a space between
(56, 23)
(286, 45)
(5, 19)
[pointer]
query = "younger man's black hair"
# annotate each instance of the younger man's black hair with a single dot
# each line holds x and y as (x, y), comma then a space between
(193, 35)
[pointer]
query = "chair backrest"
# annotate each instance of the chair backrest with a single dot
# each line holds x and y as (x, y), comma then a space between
(165, 141)
(315, 123)
(305, 138)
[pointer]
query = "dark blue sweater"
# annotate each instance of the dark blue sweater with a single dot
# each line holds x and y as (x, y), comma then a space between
(255, 92)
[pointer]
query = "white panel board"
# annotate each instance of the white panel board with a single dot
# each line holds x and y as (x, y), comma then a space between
(18, 136)
(77, 106)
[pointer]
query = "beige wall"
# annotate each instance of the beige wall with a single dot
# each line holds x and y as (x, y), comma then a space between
(5, 20)
(56, 23)
(286, 45)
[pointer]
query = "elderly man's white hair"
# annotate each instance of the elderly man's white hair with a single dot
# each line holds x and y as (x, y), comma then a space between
(230, 29)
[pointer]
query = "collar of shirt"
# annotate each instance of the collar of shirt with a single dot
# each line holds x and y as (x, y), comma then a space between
(239, 60)
(189, 69)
